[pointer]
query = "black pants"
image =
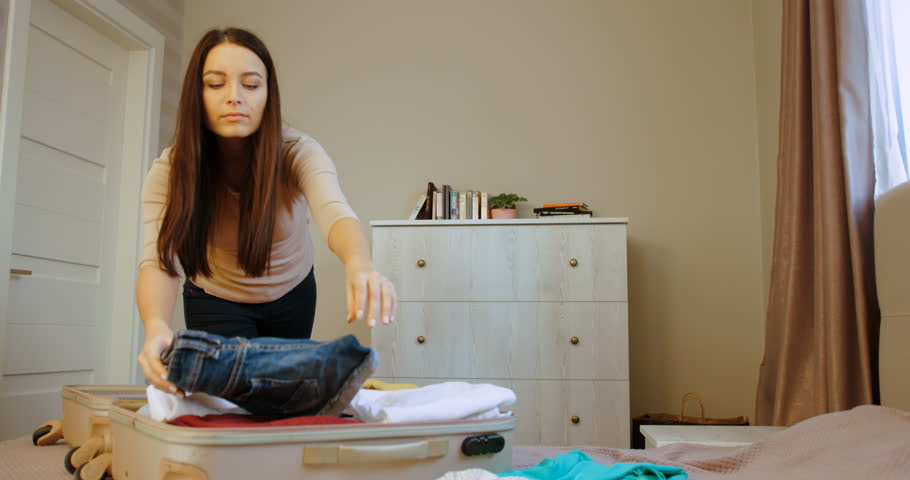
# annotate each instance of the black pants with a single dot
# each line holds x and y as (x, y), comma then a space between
(290, 316)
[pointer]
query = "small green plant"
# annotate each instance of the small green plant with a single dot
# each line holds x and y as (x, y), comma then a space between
(506, 200)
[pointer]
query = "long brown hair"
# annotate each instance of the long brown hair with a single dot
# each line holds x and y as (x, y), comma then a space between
(191, 208)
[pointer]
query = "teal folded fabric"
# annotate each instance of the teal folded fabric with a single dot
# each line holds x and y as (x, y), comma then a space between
(577, 465)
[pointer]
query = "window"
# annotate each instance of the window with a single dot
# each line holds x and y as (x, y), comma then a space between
(889, 89)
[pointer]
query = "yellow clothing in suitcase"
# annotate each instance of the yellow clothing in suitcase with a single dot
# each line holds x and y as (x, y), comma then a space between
(373, 384)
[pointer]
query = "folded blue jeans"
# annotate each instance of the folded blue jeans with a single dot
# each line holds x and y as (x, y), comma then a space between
(275, 377)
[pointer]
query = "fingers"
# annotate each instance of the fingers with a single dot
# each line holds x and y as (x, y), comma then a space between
(155, 371)
(153, 356)
(373, 285)
(387, 298)
(349, 294)
(369, 290)
(358, 292)
(155, 379)
(149, 370)
(394, 303)
(382, 293)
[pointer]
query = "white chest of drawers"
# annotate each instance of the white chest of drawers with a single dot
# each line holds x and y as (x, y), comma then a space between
(536, 305)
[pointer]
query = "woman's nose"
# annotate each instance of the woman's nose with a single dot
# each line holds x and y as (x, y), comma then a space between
(234, 95)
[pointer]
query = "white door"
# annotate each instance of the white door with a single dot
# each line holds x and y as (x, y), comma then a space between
(64, 230)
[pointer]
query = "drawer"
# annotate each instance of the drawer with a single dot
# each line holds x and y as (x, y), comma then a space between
(545, 410)
(504, 262)
(522, 340)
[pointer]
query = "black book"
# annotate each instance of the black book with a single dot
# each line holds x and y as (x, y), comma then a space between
(426, 213)
(571, 209)
(562, 214)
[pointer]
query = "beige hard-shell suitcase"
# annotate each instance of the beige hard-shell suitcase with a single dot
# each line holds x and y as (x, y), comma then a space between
(86, 407)
(85, 410)
(85, 423)
(146, 449)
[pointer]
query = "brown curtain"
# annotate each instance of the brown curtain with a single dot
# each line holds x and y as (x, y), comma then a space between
(821, 333)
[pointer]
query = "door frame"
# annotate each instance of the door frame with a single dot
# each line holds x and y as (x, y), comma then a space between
(145, 69)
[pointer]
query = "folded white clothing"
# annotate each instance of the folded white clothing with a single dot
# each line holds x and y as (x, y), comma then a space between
(475, 474)
(433, 403)
(163, 406)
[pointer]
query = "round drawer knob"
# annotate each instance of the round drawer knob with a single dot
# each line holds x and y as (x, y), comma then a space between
(573, 262)
(420, 339)
(575, 419)
(574, 340)
(421, 263)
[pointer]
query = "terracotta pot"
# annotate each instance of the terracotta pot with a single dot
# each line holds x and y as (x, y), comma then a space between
(504, 213)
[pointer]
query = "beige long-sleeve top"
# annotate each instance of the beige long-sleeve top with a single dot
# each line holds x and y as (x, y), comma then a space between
(292, 250)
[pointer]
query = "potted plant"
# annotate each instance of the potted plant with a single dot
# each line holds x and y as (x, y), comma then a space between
(503, 205)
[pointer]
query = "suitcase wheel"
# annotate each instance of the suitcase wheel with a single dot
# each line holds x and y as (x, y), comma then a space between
(77, 474)
(49, 433)
(483, 444)
(40, 432)
(88, 452)
(97, 469)
(68, 461)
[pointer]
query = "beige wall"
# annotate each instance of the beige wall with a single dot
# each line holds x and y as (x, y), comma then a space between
(643, 109)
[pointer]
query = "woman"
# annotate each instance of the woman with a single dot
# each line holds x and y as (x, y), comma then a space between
(229, 205)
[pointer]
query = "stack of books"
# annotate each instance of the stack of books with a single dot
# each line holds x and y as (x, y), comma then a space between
(554, 209)
(445, 203)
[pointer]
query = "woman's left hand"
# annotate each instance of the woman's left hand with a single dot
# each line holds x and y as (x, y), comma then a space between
(364, 284)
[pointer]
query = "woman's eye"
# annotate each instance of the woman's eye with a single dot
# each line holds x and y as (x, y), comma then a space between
(251, 87)
(216, 85)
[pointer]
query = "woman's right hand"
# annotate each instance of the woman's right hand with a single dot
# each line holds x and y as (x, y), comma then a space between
(156, 342)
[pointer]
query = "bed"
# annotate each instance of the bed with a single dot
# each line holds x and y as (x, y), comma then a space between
(865, 442)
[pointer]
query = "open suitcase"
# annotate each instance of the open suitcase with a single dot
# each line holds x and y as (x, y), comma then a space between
(85, 425)
(146, 449)
(86, 408)
(141, 448)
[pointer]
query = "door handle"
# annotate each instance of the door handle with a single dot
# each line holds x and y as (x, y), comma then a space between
(16, 271)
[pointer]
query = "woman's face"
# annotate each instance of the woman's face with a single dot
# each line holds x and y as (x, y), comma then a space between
(234, 90)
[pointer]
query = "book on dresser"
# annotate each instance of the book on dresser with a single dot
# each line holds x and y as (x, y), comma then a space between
(553, 328)
(418, 209)
(443, 202)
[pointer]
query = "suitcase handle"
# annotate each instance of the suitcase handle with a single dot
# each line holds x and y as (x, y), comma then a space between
(372, 454)
(171, 470)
